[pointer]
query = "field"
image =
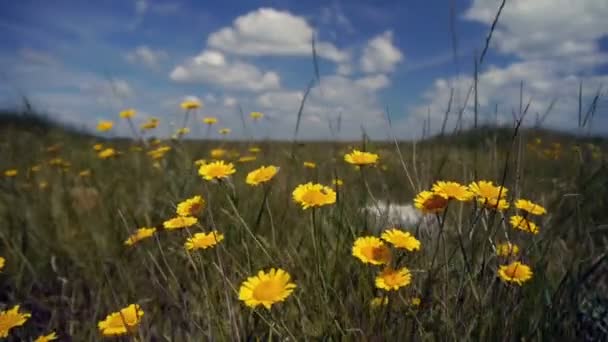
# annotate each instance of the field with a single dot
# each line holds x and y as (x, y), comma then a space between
(64, 226)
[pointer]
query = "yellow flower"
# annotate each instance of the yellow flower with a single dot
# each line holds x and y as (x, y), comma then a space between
(2, 262)
(104, 125)
(11, 173)
(200, 162)
(416, 301)
(180, 222)
(313, 195)
(430, 202)
(255, 149)
(107, 153)
(337, 182)
(266, 288)
(522, 223)
(487, 190)
(310, 165)
(182, 131)
(247, 159)
(46, 338)
(378, 301)
(391, 279)
(359, 158)
(371, 250)
(506, 249)
(401, 239)
(140, 234)
(150, 124)
(204, 240)
(256, 115)
(127, 113)
(218, 153)
(10, 319)
(84, 173)
(530, 207)
(515, 272)
(190, 104)
(36, 168)
(210, 120)
(261, 175)
(98, 147)
(191, 207)
(452, 190)
(492, 203)
(224, 131)
(216, 170)
(159, 152)
(119, 323)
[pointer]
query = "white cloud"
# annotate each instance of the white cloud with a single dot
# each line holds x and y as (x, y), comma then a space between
(268, 31)
(373, 83)
(146, 56)
(344, 69)
(229, 101)
(212, 67)
(211, 98)
(380, 54)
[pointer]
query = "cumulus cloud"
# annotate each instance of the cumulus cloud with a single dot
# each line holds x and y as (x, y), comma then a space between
(267, 31)
(212, 67)
(146, 56)
(380, 54)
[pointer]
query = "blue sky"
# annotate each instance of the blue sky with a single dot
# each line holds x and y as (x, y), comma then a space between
(83, 61)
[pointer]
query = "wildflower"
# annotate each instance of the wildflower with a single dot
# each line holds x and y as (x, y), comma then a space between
(2, 262)
(98, 147)
(180, 222)
(522, 223)
(493, 203)
(515, 272)
(430, 202)
(11, 173)
(150, 124)
(56, 162)
(159, 152)
(337, 182)
(391, 279)
(204, 240)
(182, 131)
(140, 234)
(216, 170)
(210, 120)
(46, 338)
(415, 301)
(256, 115)
(200, 162)
(224, 131)
(218, 153)
(530, 207)
(104, 125)
(506, 249)
(190, 104)
(10, 319)
(401, 239)
(84, 173)
(313, 195)
(106, 153)
(122, 322)
(487, 190)
(371, 250)
(266, 288)
(261, 175)
(36, 168)
(127, 113)
(310, 165)
(452, 190)
(255, 149)
(247, 159)
(359, 158)
(378, 301)
(191, 207)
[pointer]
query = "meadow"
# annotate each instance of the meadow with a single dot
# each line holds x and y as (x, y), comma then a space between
(476, 262)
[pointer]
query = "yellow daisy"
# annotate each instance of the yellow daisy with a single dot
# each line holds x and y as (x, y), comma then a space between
(218, 153)
(84, 173)
(487, 189)
(530, 207)
(524, 224)
(401, 239)
(261, 175)
(191, 206)
(122, 322)
(127, 113)
(492, 203)
(391, 279)
(255, 149)
(107, 153)
(430, 202)
(11, 173)
(310, 165)
(515, 272)
(152, 123)
(378, 301)
(224, 131)
(452, 190)
(10, 319)
(36, 168)
(337, 182)
(2, 262)
(180, 222)
(190, 104)
(46, 338)
(204, 240)
(104, 125)
(371, 250)
(216, 170)
(415, 301)
(256, 115)
(313, 195)
(210, 120)
(266, 288)
(506, 249)
(247, 159)
(359, 158)
(140, 234)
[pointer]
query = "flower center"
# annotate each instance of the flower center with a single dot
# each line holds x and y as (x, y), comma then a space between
(267, 290)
